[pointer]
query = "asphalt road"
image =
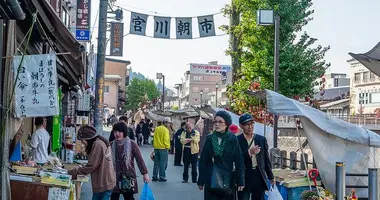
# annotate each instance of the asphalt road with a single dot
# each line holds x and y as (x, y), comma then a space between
(174, 189)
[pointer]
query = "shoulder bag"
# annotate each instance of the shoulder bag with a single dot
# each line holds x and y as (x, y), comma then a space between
(221, 179)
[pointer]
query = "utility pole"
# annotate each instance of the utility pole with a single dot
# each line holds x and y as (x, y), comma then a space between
(234, 41)
(163, 93)
(99, 93)
(276, 70)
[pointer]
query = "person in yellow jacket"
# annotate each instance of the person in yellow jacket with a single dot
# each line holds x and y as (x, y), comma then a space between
(161, 145)
(190, 140)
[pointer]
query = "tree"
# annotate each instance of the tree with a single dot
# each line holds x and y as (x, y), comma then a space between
(301, 62)
(140, 91)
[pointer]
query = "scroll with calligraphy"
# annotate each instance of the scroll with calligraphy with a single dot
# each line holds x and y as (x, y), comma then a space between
(36, 93)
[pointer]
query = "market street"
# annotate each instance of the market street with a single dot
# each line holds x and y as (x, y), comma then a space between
(171, 190)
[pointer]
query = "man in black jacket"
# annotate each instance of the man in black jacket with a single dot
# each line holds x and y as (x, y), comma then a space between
(131, 134)
(258, 168)
(178, 145)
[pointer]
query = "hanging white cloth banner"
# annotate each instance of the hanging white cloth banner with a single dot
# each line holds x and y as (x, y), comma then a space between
(206, 26)
(36, 92)
(184, 28)
(162, 27)
(138, 23)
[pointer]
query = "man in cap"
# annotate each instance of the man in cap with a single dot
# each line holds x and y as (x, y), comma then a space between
(256, 159)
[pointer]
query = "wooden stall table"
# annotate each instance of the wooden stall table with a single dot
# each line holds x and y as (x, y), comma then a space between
(21, 190)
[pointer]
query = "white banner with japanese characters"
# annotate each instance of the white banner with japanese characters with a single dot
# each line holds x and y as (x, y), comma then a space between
(184, 28)
(206, 26)
(162, 27)
(138, 23)
(36, 93)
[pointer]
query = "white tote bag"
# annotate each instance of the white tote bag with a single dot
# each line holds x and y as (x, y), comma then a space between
(274, 194)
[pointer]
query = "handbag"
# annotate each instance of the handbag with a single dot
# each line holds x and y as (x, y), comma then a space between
(127, 184)
(221, 181)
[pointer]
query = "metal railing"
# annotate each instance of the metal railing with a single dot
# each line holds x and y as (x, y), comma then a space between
(340, 182)
(358, 120)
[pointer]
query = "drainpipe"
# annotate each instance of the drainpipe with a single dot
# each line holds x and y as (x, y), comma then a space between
(17, 11)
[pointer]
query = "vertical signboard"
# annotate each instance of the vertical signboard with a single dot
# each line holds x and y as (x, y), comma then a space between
(117, 31)
(83, 20)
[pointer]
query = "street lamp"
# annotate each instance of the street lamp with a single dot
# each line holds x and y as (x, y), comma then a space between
(216, 94)
(265, 18)
(201, 93)
(160, 76)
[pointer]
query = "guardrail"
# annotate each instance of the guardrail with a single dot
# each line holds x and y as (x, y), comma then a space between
(340, 182)
(358, 120)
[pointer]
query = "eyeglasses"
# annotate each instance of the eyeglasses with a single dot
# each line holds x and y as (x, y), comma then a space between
(218, 122)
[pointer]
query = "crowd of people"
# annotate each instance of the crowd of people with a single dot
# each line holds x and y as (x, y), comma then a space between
(229, 166)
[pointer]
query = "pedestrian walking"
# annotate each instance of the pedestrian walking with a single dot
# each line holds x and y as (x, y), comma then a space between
(161, 145)
(256, 159)
(146, 131)
(170, 127)
(40, 141)
(190, 139)
(178, 145)
(124, 154)
(139, 132)
(99, 163)
(220, 153)
(130, 132)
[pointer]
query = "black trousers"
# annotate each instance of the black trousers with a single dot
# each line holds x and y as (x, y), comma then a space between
(146, 138)
(171, 146)
(214, 196)
(178, 154)
(127, 196)
(255, 187)
(187, 159)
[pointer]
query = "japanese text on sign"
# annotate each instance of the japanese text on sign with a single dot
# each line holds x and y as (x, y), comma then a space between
(36, 86)
(83, 14)
(209, 69)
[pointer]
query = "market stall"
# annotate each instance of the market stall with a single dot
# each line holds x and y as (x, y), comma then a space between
(48, 182)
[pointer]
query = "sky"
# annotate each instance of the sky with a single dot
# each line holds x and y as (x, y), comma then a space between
(345, 25)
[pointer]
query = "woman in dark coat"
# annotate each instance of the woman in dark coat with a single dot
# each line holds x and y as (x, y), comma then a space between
(124, 153)
(222, 149)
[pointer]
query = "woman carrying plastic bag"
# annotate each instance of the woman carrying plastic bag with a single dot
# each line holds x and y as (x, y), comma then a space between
(274, 194)
(147, 193)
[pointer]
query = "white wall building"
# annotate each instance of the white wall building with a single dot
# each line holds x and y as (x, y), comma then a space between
(364, 89)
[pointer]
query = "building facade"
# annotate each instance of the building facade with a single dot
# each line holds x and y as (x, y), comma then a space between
(364, 89)
(116, 79)
(201, 81)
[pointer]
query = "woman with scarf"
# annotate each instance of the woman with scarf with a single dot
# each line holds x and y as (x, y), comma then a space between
(124, 153)
(221, 156)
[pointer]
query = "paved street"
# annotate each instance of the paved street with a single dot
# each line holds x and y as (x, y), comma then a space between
(174, 189)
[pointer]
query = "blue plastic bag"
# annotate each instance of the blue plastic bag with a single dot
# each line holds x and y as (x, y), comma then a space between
(147, 193)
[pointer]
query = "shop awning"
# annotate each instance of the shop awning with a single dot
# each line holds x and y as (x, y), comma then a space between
(63, 40)
(370, 60)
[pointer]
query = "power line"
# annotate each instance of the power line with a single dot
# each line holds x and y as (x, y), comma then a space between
(165, 15)
(176, 38)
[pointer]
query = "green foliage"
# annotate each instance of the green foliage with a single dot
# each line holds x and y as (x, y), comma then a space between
(301, 61)
(140, 91)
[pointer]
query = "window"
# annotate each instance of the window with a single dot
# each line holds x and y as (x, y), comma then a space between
(336, 83)
(195, 89)
(365, 76)
(66, 17)
(357, 77)
(106, 89)
(198, 78)
(372, 76)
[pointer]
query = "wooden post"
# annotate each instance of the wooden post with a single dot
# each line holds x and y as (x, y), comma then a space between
(293, 160)
(303, 162)
(284, 162)
(275, 155)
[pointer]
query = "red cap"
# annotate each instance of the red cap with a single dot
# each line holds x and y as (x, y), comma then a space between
(234, 129)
